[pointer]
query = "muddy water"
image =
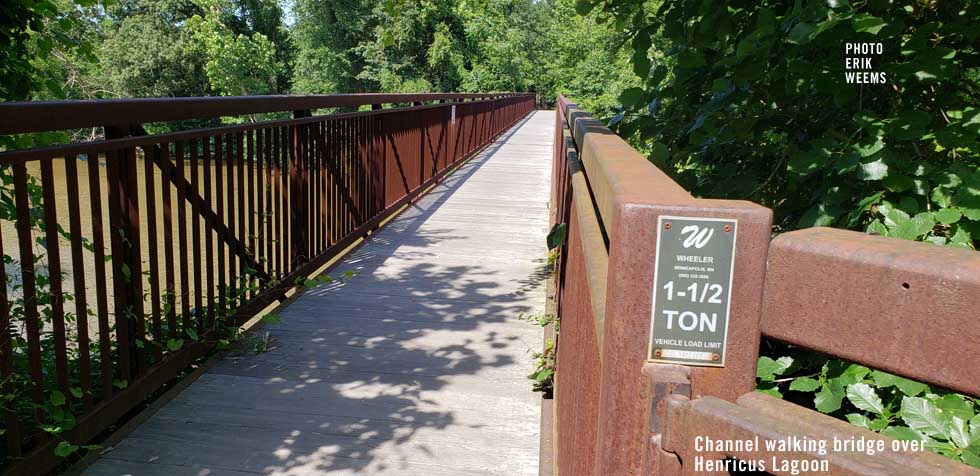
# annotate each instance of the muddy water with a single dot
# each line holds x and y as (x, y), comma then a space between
(64, 201)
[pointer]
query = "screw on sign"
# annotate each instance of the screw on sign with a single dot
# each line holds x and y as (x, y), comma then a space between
(692, 290)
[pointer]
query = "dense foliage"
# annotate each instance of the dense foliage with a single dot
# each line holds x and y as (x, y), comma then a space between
(750, 100)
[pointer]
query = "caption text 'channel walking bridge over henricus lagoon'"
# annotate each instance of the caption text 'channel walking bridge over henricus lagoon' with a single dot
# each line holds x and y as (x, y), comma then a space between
(352, 285)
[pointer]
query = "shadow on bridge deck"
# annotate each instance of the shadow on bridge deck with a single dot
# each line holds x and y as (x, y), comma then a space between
(415, 366)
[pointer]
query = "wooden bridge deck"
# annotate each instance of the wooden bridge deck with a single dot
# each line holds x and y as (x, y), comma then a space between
(416, 366)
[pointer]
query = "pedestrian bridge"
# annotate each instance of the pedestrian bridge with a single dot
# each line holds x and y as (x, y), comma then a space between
(388, 255)
(415, 365)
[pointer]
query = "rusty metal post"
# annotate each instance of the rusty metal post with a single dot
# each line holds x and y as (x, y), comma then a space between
(124, 226)
(625, 401)
(631, 195)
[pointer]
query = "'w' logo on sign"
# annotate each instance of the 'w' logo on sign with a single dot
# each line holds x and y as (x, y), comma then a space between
(695, 236)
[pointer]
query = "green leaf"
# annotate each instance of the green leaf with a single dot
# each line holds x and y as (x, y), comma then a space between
(583, 7)
(690, 59)
(640, 58)
(853, 373)
(57, 398)
(192, 334)
(863, 396)
(920, 414)
(271, 319)
(859, 420)
(772, 392)
(557, 235)
(948, 216)
(865, 23)
(631, 97)
(869, 146)
(76, 392)
(806, 162)
(820, 214)
(804, 384)
(174, 345)
(879, 424)
(877, 228)
(956, 405)
(64, 449)
(906, 386)
(768, 368)
(903, 433)
(874, 170)
(829, 398)
(801, 34)
(120, 383)
(959, 432)
(310, 283)
(971, 455)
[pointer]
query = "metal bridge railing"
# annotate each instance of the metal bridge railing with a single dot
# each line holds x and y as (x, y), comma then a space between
(629, 401)
(132, 254)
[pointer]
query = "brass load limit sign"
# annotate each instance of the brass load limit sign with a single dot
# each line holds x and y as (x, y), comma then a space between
(692, 288)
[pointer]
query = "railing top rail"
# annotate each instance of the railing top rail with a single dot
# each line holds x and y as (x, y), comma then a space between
(897, 305)
(38, 116)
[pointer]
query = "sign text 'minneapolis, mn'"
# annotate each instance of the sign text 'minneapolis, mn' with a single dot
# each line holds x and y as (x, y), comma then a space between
(692, 287)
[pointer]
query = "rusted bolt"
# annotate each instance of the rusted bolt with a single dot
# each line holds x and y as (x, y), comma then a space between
(667, 225)
(715, 357)
(657, 353)
(728, 228)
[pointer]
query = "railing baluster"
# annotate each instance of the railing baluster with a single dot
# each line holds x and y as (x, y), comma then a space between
(154, 265)
(126, 261)
(196, 236)
(209, 251)
(101, 287)
(232, 150)
(250, 239)
(240, 164)
(170, 288)
(29, 283)
(285, 152)
(221, 217)
(53, 249)
(185, 293)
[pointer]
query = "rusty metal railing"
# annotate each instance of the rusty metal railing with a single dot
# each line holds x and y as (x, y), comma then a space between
(131, 254)
(905, 307)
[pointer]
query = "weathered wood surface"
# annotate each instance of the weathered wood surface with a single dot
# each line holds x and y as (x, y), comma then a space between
(416, 366)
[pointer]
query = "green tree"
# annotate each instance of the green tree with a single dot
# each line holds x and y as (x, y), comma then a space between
(750, 100)
(236, 64)
(147, 52)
